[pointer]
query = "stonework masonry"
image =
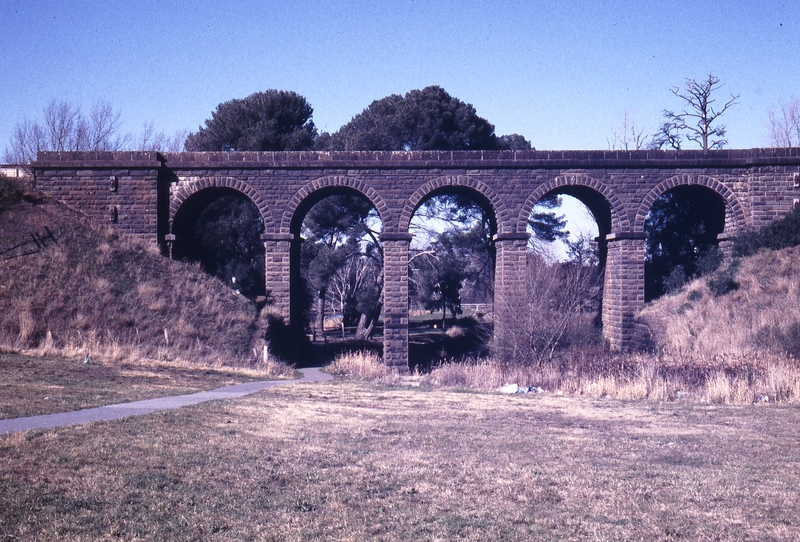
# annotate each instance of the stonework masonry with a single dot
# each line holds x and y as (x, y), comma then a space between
(142, 193)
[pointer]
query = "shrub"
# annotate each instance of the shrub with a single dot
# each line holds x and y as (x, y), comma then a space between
(782, 233)
(11, 190)
(695, 295)
(785, 340)
(724, 281)
(675, 280)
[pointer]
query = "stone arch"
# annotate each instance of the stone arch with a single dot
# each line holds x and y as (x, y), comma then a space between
(184, 190)
(734, 214)
(497, 207)
(619, 220)
(333, 182)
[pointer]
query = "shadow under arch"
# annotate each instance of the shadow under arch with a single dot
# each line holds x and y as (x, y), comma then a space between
(220, 227)
(186, 190)
(683, 227)
(734, 214)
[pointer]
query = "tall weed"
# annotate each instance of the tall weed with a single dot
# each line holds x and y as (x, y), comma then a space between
(724, 379)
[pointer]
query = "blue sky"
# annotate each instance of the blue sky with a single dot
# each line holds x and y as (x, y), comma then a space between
(560, 73)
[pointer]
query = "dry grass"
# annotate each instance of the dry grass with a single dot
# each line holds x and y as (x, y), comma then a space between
(363, 366)
(352, 461)
(723, 379)
(695, 323)
(44, 385)
(88, 291)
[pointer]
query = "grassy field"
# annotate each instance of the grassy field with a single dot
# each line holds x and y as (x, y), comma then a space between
(357, 461)
(44, 385)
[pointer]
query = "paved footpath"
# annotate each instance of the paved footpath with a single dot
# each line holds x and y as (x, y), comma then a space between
(137, 408)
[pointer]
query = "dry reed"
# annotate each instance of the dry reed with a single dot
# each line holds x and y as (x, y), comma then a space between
(768, 378)
(363, 365)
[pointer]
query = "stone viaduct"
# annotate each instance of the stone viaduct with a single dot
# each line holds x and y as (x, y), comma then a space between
(143, 194)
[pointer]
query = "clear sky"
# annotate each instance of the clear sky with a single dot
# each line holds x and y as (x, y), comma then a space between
(559, 72)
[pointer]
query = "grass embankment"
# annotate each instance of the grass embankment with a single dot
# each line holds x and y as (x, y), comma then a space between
(355, 461)
(74, 289)
(744, 309)
(31, 386)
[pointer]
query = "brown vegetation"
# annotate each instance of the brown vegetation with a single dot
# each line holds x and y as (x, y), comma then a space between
(354, 461)
(363, 365)
(596, 373)
(700, 321)
(72, 288)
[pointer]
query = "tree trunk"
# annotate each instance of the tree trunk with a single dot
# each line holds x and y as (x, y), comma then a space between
(363, 331)
(320, 325)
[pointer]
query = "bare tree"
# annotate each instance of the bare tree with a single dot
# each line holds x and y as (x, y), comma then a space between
(27, 139)
(556, 308)
(104, 127)
(65, 128)
(150, 140)
(784, 125)
(628, 136)
(696, 121)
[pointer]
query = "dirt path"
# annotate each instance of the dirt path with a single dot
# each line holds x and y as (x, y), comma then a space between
(137, 408)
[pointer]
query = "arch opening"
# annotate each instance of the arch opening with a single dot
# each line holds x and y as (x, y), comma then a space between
(565, 265)
(220, 228)
(337, 269)
(682, 227)
(451, 274)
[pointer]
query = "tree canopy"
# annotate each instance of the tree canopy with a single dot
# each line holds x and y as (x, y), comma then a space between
(682, 228)
(273, 120)
(427, 119)
(337, 231)
(229, 245)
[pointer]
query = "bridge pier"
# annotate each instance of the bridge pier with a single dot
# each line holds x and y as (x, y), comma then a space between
(395, 299)
(510, 338)
(623, 292)
(277, 266)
